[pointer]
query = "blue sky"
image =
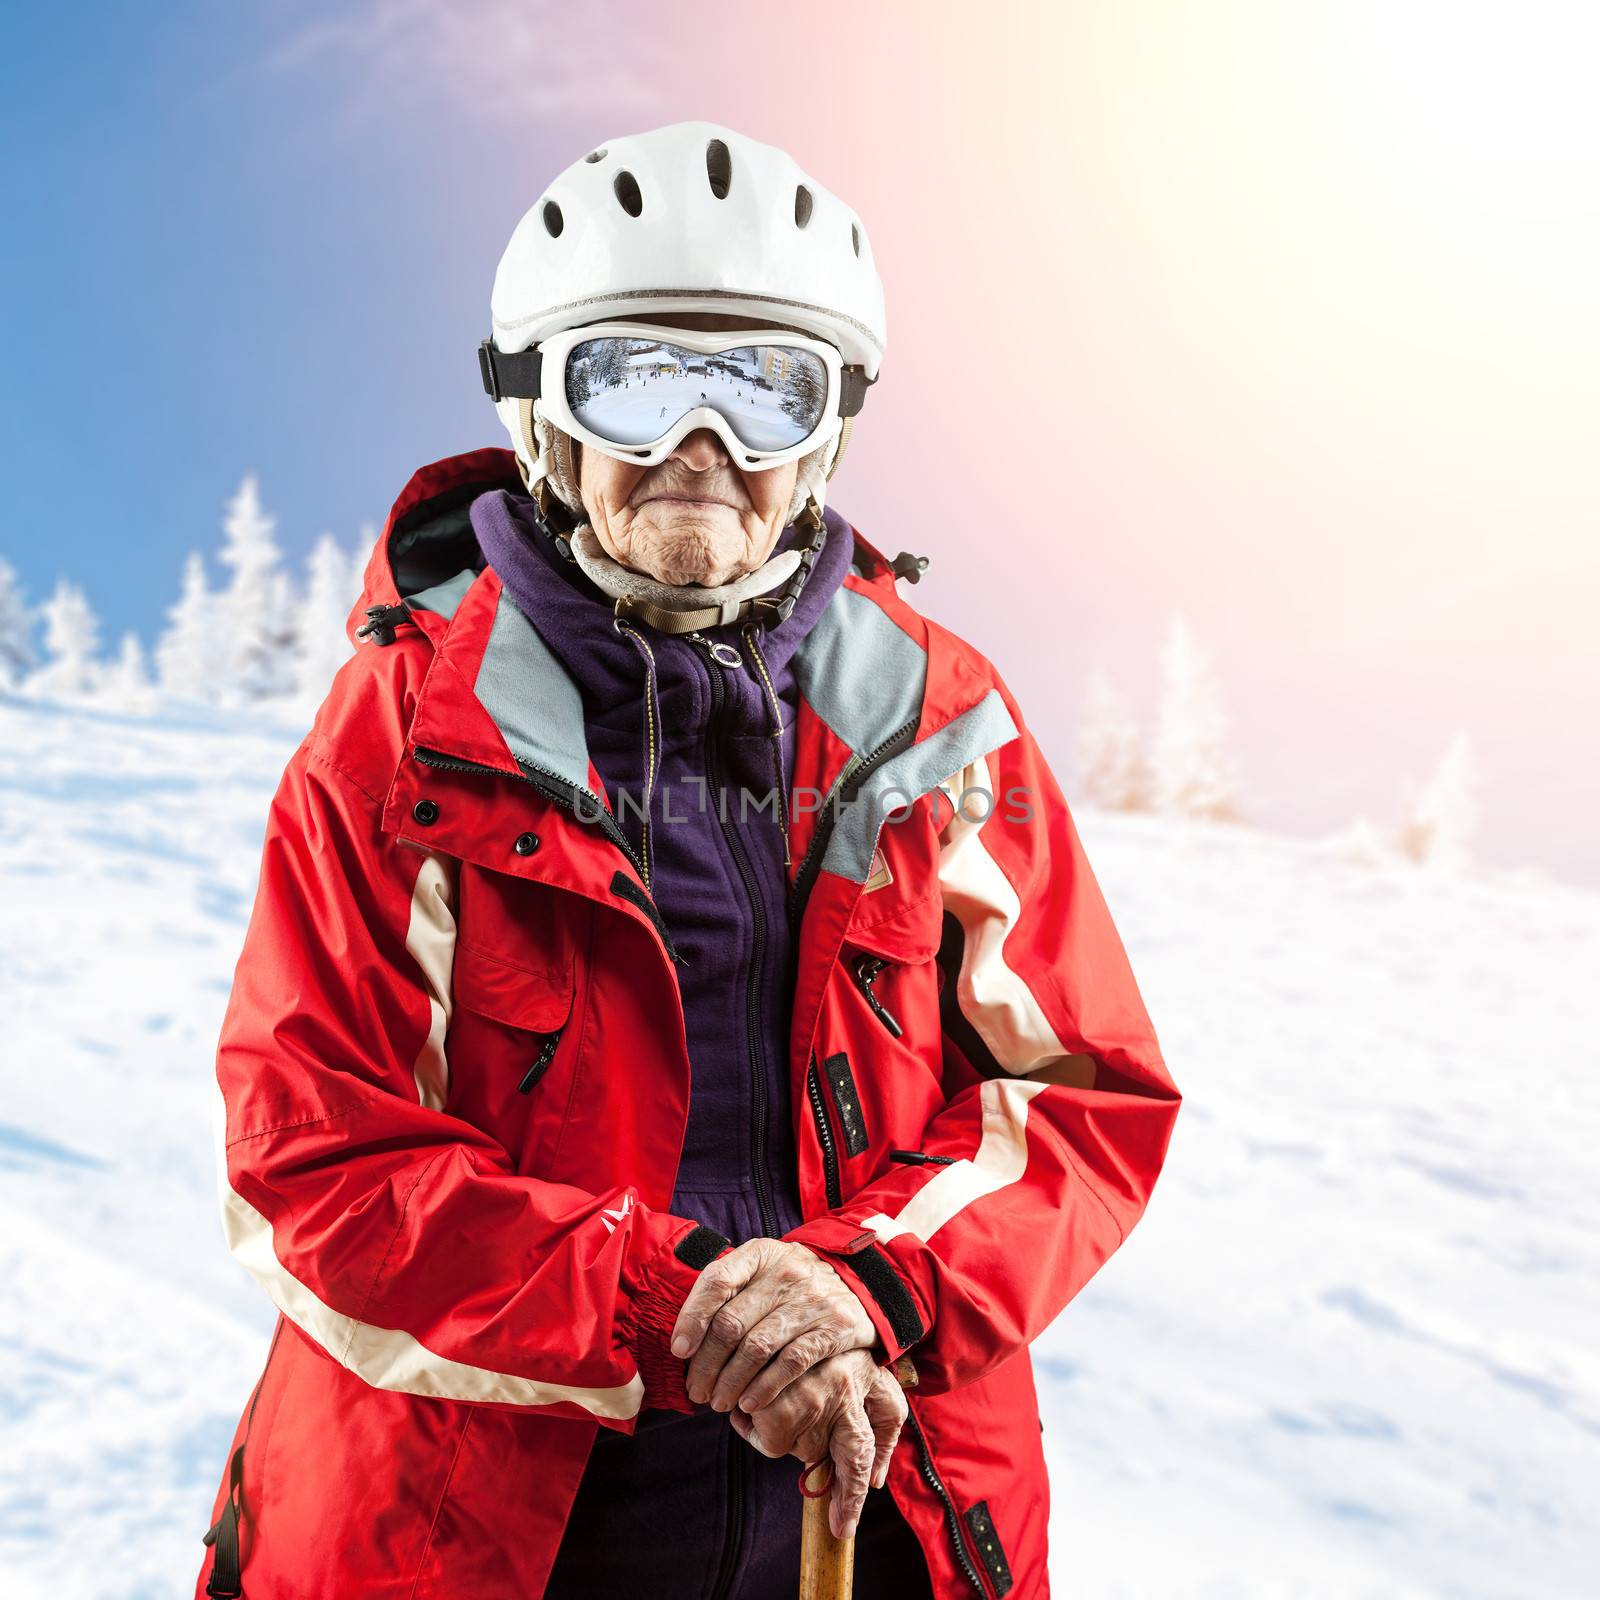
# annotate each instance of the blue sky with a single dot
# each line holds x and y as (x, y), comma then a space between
(222, 268)
(1319, 297)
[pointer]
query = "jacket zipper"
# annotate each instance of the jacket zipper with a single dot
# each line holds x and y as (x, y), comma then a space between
(550, 784)
(830, 1154)
(952, 1521)
(541, 1061)
(844, 790)
(757, 962)
(867, 968)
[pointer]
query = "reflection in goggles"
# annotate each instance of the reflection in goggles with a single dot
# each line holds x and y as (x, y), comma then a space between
(632, 391)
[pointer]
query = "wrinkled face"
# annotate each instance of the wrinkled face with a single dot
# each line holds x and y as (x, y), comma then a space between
(696, 516)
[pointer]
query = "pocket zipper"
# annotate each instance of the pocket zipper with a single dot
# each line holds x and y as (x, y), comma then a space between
(867, 968)
(541, 1061)
(830, 1156)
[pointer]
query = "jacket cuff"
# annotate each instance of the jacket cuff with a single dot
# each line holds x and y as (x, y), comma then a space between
(858, 1256)
(659, 1297)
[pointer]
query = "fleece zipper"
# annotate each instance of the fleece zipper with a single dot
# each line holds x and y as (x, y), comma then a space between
(758, 946)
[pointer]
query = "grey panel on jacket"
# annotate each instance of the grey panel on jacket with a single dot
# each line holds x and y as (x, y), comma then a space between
(861, 674)
(531, 696)
(908, 776)
(443, 597)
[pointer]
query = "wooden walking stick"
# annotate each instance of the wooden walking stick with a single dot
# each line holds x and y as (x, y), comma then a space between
(827, 1564)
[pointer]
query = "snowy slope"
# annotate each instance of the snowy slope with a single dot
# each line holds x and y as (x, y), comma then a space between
(1351, 1350)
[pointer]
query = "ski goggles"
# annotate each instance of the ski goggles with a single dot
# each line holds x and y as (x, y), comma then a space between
(632, 390)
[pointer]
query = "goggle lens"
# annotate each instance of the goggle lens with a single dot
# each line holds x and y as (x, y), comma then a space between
(632, 391)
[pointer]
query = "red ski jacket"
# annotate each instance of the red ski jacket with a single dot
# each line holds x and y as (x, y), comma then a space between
(452, 1086)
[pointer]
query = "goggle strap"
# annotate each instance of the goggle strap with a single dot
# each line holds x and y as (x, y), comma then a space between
(512, 375)
(853, 386)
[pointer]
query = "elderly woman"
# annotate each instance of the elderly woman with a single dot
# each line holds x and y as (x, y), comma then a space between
(679, 1036)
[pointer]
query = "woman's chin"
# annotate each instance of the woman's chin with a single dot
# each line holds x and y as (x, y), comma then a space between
(692, 544)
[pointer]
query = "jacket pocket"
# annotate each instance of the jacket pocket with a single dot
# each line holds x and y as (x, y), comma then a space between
(536, 1003)
(889, 956)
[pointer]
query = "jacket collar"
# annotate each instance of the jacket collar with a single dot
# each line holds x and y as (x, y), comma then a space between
(891, 704)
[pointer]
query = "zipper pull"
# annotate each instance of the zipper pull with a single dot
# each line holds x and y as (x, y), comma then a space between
(921, 1158)
(541, 1061)
(723, 654)
(867, 968)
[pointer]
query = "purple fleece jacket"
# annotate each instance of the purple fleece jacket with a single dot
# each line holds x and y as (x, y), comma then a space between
(685, 1497)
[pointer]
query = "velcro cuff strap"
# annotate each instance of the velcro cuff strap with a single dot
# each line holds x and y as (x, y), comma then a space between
(860, 1260)
(700, 1247)
(888, 1289)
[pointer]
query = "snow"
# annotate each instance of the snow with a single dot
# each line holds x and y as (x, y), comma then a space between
(650, 401)
(1350, 1350)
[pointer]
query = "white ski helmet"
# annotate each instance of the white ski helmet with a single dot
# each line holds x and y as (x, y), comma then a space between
(689, 217)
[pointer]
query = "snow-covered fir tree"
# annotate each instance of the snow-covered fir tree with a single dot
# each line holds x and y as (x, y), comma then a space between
(18, 657)
(71, 642)
(189, 659)
(1112, 772)
(365, 540)
(1361, 843)
(257, 625)
(125, 685)
(1438, 827)
(324, 645)
(1193, 773)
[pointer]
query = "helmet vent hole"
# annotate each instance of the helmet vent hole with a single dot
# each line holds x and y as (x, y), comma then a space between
(552, 219)
(596, 155)
(719, 168)
(626, 188)
(855, 238)
(802, 206)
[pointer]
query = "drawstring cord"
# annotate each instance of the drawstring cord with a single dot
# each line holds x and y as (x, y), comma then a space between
(775, 719)
(652, 716)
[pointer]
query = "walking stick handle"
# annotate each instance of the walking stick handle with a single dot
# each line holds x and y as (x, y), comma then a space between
(827, 1564)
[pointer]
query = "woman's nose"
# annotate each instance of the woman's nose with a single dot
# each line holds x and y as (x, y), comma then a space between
(700, 451)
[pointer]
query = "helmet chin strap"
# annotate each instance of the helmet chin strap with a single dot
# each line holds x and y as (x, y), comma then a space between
(682, 608)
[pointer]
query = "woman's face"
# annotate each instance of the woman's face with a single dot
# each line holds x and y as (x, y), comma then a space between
(695, 517)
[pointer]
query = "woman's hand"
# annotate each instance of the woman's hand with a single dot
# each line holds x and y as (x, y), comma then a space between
(847, 1408)
(760, 1316)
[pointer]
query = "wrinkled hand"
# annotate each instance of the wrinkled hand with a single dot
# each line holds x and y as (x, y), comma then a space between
(847, 1407)
(759, 1317)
